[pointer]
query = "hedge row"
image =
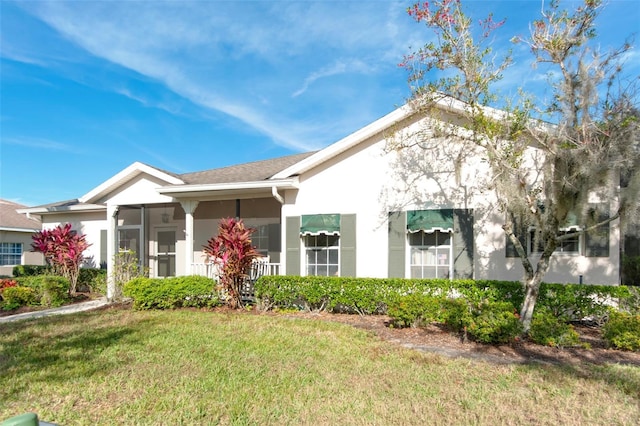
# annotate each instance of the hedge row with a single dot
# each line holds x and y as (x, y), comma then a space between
(89, 279)
(173, 292)
(374, 295)
(484, 310)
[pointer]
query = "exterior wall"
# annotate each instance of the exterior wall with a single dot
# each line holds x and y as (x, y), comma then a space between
(369, 182)
(28, 257)
(89, 223)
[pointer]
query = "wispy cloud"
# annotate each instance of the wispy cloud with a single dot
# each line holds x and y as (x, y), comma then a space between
(340, 67)
(40, 143)
(200, 51)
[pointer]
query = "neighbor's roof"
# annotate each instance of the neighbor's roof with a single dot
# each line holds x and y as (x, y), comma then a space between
(11, 220)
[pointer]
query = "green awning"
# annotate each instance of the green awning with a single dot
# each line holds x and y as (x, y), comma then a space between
(315, 224)
(430, 220)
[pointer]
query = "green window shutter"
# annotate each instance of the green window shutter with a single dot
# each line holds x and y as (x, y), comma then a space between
(397, 244)
(597, 240)
(348, 245)
(463, 244)
(103, 248)
(292, 244)
(274, 237)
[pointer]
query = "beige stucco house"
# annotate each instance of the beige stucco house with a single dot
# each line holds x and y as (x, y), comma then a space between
(354, 208)
(15, 238)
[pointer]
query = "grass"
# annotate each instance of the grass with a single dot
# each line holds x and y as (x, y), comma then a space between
(189, 367)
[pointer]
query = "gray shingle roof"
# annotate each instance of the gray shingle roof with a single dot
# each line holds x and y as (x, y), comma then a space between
(9, 218)
(247, 172)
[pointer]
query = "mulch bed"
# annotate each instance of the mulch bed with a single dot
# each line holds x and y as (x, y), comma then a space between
(435, 339)
(439, 340)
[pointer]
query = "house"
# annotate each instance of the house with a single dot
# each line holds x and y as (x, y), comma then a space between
(354, 208)
(15, 238)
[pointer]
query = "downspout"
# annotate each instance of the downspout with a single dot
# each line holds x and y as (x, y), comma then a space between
(276, 195)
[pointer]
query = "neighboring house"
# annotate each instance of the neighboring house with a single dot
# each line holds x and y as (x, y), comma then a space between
(15, 238)
(354, 208)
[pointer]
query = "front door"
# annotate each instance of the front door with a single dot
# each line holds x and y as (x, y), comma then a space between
(166, 253)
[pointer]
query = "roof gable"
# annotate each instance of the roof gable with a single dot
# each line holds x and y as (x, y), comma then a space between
(126, 175)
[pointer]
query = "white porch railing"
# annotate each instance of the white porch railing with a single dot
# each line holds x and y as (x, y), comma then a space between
(258, 269)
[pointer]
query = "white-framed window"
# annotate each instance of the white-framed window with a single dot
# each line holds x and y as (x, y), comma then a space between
(431, 254)
(322, 254)
(10, 254)
(260, 239)
(570, 245)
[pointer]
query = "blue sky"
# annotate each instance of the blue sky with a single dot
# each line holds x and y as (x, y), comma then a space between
(89, 87)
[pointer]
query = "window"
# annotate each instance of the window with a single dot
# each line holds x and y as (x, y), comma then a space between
(10, 253)
(260, 239)
(322, 254)
(569, 245)
(430, 254)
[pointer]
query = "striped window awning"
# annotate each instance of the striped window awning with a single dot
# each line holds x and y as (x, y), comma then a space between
(430, 220)
(316, 224)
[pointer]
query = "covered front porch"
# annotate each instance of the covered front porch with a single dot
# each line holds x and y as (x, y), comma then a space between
(167, 238)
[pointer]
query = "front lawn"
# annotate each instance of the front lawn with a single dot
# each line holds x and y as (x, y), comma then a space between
(119, 366)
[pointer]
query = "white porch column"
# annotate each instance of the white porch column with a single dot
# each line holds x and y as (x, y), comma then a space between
(112, 223)
(189, 207)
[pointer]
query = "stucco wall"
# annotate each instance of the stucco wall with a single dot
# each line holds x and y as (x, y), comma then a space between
(370, 182)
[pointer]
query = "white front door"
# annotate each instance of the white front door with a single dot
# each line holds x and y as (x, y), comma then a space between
(166, 253)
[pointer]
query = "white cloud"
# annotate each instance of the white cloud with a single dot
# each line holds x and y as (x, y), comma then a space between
(40, 143)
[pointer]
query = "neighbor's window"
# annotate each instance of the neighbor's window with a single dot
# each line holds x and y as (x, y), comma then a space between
(10, 253)
(322, 254)
(430, 254)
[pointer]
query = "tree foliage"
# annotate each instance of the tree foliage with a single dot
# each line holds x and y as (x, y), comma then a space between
(63, 250)
(233, 253)
(548, 159)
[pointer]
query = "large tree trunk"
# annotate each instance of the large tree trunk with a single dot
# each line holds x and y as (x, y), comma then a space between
(532, 288)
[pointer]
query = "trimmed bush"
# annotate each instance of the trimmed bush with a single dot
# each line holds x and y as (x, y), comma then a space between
(415, 310)
(494, 322)
(30, 270)
(15, 297)
(549, 330)
(173, 292)
(622, 331)
(51, 290)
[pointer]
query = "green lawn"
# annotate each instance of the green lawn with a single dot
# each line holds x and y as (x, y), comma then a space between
(188, 367)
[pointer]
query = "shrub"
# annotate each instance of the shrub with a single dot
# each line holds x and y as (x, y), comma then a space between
(30, 270)
(89, 278)
(6, 283)
(549, 330)
(622, 331)
(174, 292)
(579, 301)
(414, 310)
(494, 322)
(15, 297)
(50, 290)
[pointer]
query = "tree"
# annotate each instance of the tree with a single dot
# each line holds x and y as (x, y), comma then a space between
(546, 159)
(63, 250)
(232, 251)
